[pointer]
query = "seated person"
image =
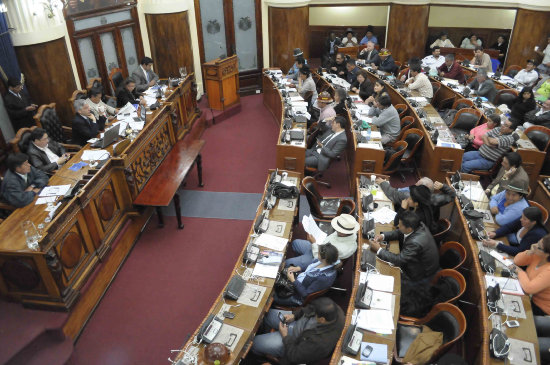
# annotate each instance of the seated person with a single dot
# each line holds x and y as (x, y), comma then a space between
(435, 60)
(535, 280)
(319, 275)
(386, 118)
(386, 62)
(328, 148)
(508, 205)
(300, 61)
(352, 71)
(481, 60)
(443, 41)
(144, 76)
(521, 233)
(45, 154)
(496, 143)
(339, 104)
(413, 62)
(451, 69)
(441, 194)
(528, 76)
(544, 66)
(420, 82)
(324, 103)
(542, 88)
(369, 54)
(98, 107)
(483, 86)
(418, 258)
(379, 88)
(542, 325)
(349, 40)
(477, 133)
(539, 116)
(19, 107)
(85, 126)
(470, 43)
(502, 47)
(369, 36)
(338, 67)
(306, 84)
(419, 201)
(362, 85)
(127, 94)
(510, 172)
(307, 336)
(293, 71)
(344, 238)
(331, 43)
(524, 103)
(22, 182)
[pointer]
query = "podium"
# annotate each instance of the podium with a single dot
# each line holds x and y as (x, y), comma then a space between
(222, 82)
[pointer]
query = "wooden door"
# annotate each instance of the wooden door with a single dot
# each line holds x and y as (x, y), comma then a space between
(228, 27)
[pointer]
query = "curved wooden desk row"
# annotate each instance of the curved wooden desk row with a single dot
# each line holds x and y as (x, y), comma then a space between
(247, 318)
(474, 301)
(384, 269)
(467, 53)
(85, 227)
(542, 195)
(532, 158)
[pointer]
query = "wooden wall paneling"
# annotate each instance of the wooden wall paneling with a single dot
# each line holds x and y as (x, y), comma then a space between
(318, 35)
(288, 29)
(170, 39)
(530, 29)
(407, 31)
(488, 36)
(48, 74)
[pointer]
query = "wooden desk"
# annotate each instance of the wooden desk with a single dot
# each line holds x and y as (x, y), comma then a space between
(467, 53)
(352, 51)
(163, 186)
(384, 269)
(541, 195)
(247, 318)
(81, 234)
(474, 299)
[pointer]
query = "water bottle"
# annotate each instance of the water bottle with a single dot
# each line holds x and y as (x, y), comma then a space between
(368, 132)
(31, 235)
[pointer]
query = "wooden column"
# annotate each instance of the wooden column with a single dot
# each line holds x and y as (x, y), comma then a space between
(530, 29)
(48, 74)
(288, 29)
(170, 39)
(407, 31)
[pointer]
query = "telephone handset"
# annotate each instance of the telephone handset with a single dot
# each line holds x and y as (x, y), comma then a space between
(363, 297)
(251, 254)
(209, 329)
(352, 341)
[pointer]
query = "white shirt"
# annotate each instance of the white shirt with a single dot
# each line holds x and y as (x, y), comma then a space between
(51, 156)
(433, 62)
(546, 52)
(145, 72)
(527, 78)
(19, 96)
(346, 245)
(348, 43)
(23, 176)
(446, 43)
(405, 235)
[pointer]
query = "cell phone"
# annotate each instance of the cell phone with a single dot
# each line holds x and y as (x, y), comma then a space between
(227, 314)
(282, 318)
(512, 323)
(367, 351)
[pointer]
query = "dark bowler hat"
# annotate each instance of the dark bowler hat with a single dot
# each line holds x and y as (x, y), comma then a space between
(298, 52)
(349, 30)
(519, 186)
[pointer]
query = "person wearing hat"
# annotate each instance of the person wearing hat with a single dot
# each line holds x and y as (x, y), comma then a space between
(349, 40)
(19, 107)
(295, 68)
(362, 85)
(508, 205)
(528, 76)
(344, 238)
(298, 63)
(327, 114)
(386, 62)
(338, 67)
(352, 71)
(369, 36)
(418, 257)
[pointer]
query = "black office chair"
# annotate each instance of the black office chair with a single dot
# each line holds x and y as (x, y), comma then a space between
(506, 96)
(465, 120)
(322, 207)
(540, 136)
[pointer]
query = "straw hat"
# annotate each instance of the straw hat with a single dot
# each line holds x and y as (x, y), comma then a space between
(324, 97)
(384, 52)
(345, 224)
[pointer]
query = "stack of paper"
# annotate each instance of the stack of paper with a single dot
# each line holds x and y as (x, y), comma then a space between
(94, 155)
(267, 271)
(381, 300)
(474, 192)
(272, 242)
(376, 320)
(311, 227)
(377, 281)
(507, 285)
(384, 215)
(54, 190)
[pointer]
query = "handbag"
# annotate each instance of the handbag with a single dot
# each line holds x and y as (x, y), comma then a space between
(283, 191)
(284, 288)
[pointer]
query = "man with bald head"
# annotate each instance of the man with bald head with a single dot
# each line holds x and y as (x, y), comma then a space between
(369, 54)
(442, 194)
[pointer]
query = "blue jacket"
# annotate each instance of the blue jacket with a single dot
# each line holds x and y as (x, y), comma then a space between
(312, 284)
(530, 237)
(511, 212)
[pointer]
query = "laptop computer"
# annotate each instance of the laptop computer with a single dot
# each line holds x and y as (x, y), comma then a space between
(110, 136)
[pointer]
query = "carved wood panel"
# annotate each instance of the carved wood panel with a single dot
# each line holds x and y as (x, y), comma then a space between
(73, 253)
(446, 165)
(368, 165)
(288, 29)
(20, 274)
(290, 163)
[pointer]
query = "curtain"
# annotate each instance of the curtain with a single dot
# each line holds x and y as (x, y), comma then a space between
(8, 59)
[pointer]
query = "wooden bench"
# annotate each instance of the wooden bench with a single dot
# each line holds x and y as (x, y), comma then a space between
(163, 186)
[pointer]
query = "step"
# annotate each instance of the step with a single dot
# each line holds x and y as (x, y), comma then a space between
(48, 348)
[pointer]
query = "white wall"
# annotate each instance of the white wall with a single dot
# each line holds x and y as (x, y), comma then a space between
(461, 17)
(352, 16)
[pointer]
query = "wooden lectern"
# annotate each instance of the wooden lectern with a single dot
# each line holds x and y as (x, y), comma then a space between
(222, 82)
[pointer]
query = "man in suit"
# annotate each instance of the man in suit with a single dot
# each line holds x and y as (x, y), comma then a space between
(44, 154)
(85, 126)
(483, 86)
(329, 147)
(418, 257)
(18, 106)
(353, 70)
(144, 75)
(539, 116)
(369, 54)
(127, 93)
(386, 62)
(22, 182)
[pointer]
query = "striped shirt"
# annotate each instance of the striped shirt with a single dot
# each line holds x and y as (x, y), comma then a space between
(504, 143)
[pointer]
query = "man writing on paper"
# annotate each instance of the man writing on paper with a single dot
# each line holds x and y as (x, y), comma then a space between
(344, 239)
(22, 182)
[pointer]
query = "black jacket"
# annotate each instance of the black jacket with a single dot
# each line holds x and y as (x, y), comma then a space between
(373, 57)
(366, 88)
(387, 65)
(20, 118)
(542, 119)
(520, 108)
(123, 96)
(533, 236)
(13, 187)
(40, 160)
(84, 129)
(351, 76)
(339, 68)
(418, 257)
(313, 344)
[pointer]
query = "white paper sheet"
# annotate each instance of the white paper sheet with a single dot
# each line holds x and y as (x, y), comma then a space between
(507, 285)
(94, 155)
(311, 227)
(376, 320)
(381, 300)
(380, 282)
(271, 242)
(45, 200)
(55, 190)
(384, 215)
(267, 271)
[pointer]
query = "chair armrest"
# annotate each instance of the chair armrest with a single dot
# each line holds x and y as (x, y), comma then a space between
(6, 206)
(408, 320)
(72, 148)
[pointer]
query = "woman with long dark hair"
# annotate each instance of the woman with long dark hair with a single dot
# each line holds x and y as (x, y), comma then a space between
(524, 103)
(419, 202)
